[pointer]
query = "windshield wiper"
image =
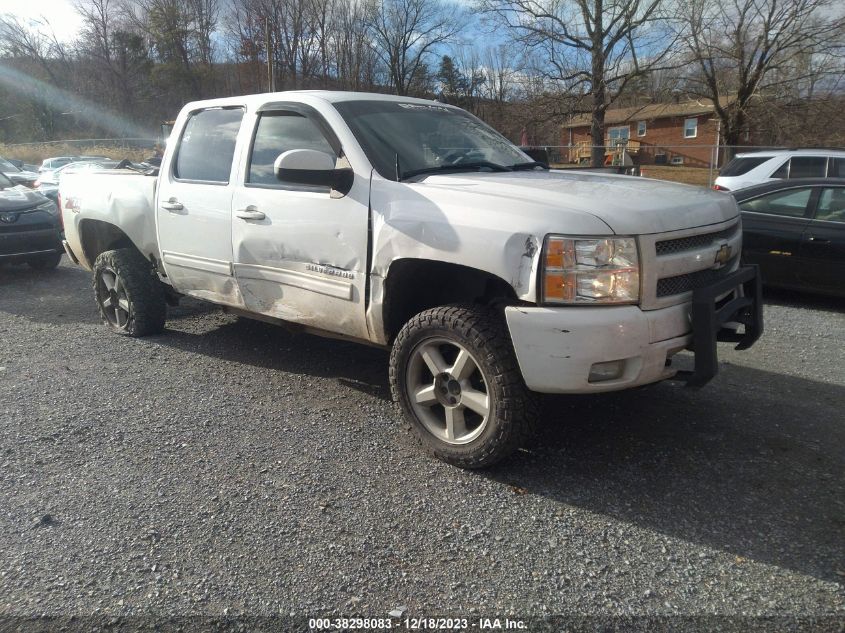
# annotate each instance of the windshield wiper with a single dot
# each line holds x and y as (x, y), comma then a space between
(480, 164)
(532, 165)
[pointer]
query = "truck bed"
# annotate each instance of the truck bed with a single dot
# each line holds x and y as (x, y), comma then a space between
(121, 197)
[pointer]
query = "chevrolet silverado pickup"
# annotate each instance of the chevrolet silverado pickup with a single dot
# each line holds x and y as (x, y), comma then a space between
(411, 225)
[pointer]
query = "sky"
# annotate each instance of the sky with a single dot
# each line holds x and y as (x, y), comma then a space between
(60, 13)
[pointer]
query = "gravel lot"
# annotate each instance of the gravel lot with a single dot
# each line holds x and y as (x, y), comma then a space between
(227, 467)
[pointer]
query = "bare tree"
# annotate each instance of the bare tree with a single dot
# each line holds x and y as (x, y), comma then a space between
(355, 60)
(34, 45)
(406, 32)
(180, 36)
(593, 47)
(35, 40)
(244, 30)
(116, 60)
(500, 70)
(749, 48)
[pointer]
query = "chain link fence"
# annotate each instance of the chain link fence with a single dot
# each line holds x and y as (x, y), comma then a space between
(697, 164)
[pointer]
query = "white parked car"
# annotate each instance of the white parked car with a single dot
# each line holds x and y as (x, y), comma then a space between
(411, 225)
(754, 168)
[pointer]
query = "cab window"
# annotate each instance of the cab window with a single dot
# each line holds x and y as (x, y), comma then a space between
(207, 146)
(276, 133)
(792, 203)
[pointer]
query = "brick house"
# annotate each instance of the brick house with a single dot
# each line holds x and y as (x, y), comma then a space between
(682, 133)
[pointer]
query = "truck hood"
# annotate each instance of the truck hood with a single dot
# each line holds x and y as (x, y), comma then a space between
(627, 205)
(20, 198)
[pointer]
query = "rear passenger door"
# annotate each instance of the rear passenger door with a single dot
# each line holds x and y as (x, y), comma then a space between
(300, 251)
(194, 205)
(823, 243)
(772, 227)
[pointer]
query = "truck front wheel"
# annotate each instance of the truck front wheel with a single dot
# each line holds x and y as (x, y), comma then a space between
(128, 294)
(455, 376)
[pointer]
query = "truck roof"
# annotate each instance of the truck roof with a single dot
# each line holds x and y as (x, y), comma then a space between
(331, 96)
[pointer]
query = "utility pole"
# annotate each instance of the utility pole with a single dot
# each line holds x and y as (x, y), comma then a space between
(268, 46)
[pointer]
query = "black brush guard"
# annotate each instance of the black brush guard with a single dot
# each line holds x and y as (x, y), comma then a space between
(709, 319)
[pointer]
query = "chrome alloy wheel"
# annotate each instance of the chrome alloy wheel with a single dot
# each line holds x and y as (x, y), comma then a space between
(111, 293)
(448, 391)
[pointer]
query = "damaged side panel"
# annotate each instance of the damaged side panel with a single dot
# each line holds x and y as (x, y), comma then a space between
(126, 202)
(303, 261)
(408, 224)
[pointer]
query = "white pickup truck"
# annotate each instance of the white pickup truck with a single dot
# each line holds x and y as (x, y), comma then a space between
(412, 225)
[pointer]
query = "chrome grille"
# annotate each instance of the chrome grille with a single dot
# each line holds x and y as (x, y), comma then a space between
(680, 284)
(693, 242)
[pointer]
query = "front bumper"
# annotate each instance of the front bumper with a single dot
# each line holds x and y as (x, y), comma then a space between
(558, 347)
(19, 242)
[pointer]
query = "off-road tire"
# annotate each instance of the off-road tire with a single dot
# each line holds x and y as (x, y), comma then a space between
(513, 407)
(45, 262)
(143, 291)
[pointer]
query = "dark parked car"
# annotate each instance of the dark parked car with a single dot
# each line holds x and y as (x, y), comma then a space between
(16, 175)
(30, 227)
(795, 231)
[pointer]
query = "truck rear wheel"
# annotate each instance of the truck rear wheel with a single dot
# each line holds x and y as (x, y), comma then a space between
(128, 294)
(455, 376)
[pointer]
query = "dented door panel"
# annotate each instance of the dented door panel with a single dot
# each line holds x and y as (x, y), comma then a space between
(304, 261)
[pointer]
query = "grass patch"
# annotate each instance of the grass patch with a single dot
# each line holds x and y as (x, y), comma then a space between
(34, 154)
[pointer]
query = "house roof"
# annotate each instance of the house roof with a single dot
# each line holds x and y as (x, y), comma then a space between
(648, 112)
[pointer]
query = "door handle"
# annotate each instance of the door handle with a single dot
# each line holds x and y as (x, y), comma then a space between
(817, 240)
(172, 205)
(250, 213)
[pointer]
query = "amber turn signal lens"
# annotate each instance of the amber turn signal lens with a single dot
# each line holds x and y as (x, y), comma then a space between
(559, 254)
(555, 286)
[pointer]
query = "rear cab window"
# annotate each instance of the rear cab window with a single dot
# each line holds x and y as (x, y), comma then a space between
(207, 145)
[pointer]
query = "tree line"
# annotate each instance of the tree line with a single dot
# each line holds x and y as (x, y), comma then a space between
(522, 65)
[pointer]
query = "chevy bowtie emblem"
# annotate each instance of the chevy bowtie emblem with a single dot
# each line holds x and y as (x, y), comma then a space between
(8, 218)
(723, 255)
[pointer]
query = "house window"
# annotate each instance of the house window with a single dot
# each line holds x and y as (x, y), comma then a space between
(618, 135)
(691, 128)
(641, 128)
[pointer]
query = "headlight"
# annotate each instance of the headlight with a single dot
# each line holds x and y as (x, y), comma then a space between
(590, 270)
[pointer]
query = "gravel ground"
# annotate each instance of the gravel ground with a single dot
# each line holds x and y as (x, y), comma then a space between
(228, 467)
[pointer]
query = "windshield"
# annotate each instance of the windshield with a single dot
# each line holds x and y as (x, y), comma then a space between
(425, 137)
(7, 166)
(5, 183)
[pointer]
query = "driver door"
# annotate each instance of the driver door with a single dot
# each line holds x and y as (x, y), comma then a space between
(300, 251)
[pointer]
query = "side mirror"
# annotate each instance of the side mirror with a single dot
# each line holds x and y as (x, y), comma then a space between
(310, 167)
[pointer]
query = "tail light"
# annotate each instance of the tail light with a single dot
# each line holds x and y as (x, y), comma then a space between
(61, 217)
(720, 188)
